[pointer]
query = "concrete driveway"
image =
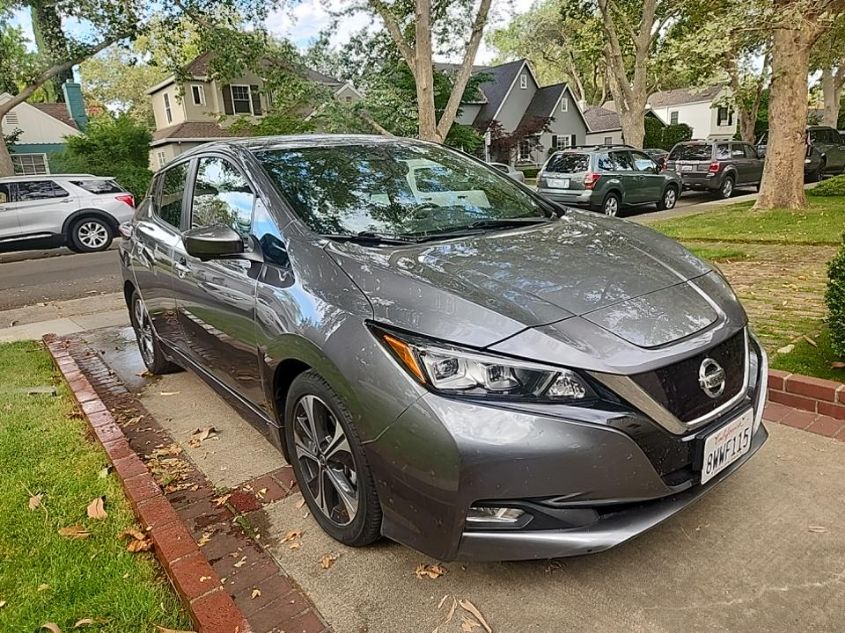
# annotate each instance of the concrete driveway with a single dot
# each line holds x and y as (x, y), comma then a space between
(764, 552)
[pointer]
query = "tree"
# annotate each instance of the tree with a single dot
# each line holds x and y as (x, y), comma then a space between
(828, 55)
(14, 55)
(412, 27)
(797, 25)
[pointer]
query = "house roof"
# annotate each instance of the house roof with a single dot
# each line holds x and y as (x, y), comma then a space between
(191, 130)
(543, 103)
(495, 88)
(601, 119)
(57, 111)
(683, 95)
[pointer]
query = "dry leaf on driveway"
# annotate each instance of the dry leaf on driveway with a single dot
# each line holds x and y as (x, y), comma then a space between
(74, 532)
(161, 629)
(256, 593)
(430, 571)
(35, 501)
(52, 627)
(817, 529)
(468, 625)
(468, 606)
(168, 393)
(219, 501)
(327, 560)
(95, 509)
(241, 562)
(138, 541)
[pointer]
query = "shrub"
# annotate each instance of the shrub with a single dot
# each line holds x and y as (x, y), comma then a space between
(677, 133)
(835, 299)
(832, 187)
(530, 172)
(653, 133)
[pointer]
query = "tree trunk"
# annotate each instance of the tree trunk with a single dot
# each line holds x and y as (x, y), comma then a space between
(783, 174)
(6, 167)
(633, 126)
(425, 74)
(832, 83)
(748, 123)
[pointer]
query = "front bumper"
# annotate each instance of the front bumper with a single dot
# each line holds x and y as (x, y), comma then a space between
(582, 473)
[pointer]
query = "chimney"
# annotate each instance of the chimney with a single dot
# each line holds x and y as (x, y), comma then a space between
(75, 104)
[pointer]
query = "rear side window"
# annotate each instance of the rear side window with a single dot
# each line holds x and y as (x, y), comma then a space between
(169, 207)
(98, 186)
(568, 163)
(39, 190)
(694, 151)
(723, 151)
(616, 161)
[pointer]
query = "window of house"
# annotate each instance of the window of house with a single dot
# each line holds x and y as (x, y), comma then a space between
(12, 118)
(523, 81)
(241, 99)
(221, 196)
(565, 141)
(526, 146)
(608, 140)
(564, 104)
(169, 207)
(39, 190)
(161, 157)
(167, 112)
(673, 117)
(198, 93)
(30, 164)
(724, 116)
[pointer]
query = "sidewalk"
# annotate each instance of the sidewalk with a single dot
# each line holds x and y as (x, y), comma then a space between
(63, 317)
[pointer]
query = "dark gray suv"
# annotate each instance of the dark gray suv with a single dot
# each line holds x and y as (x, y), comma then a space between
(444, 357)
(717, 166)
(607, 178)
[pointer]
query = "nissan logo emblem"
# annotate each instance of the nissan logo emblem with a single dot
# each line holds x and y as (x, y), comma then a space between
(711, 378)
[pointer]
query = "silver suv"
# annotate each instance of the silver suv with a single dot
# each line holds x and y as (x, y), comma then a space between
(79, 210)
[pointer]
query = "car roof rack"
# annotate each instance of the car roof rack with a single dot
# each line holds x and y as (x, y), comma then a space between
(48, 176)
(596, 145)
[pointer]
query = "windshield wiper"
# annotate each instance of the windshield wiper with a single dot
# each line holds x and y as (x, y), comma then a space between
(474, 228)
(367, 237)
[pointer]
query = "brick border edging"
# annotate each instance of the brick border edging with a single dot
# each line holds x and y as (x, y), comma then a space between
(816, 395)
(211, 608)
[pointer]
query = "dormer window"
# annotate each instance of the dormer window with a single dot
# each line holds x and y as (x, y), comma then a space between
(523, 81)
(198, 94)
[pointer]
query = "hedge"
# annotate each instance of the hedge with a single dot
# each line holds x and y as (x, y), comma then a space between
(835, 299)
(832, 187)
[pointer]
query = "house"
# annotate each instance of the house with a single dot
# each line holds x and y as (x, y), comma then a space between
(43, 128)
(605, 126)
(705, 110)
(511, 104)
(188, 113)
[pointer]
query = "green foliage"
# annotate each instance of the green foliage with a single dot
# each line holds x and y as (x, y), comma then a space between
(653, 132)
(530, 172)
(117, 147)
(673, 134)
(12, 138)
(832, 187)
(835, 299)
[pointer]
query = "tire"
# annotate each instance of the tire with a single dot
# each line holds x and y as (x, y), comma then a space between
(148, 344)
(610, 205)
(668, 200)
(90, 235)
(726, 189)
(349, 510)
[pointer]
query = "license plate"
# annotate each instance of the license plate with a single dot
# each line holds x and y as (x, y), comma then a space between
(726, 445)
(686, 167)
(559, 183)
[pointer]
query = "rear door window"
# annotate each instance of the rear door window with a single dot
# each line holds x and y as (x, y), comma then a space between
(723, 151)
(621, 161)
(693, 151)
(30, 190)
(568, 163)
(737, 151)
(98, 186)
(169, 204)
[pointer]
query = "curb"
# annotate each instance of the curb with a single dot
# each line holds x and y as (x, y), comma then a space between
(815, 404)
(200, 588)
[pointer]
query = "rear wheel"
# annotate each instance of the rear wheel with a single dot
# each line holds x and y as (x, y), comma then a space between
(727, 188)
(329, 463)
(90, 234)
(610, 205)
(669, 199)
(148, 344)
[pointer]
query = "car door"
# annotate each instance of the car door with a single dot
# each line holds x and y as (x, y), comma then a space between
(649, 181)
(9, 225)
(156, 232)
(740, 163)
(755, 163)
(215, 299)
(623, 167)
(42, 206)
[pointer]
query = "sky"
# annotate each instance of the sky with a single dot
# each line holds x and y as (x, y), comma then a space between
(302, 23)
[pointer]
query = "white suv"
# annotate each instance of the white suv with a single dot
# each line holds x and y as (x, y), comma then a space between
(79, 210)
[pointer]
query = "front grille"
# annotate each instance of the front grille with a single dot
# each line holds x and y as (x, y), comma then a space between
(676, 387)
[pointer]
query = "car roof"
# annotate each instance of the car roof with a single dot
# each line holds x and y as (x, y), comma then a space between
(54, 177)
(298, 141)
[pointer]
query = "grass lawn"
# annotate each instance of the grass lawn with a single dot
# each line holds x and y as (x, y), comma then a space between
(776, 262)
(821, 223)
(45, 577)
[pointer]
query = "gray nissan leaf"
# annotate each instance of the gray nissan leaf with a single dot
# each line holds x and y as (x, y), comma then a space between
(444, 357)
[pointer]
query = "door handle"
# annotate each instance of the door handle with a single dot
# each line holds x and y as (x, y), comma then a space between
(181, 267)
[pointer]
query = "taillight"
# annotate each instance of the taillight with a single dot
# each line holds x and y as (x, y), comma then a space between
(590, 179)
(714, 167)
(127, 198)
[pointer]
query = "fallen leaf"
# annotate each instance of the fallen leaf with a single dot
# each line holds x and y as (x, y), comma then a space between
(300, 503)
(837, 364)
(786, 349)
(2, 603)
(327, 560)
(138, 541)
(468, 606)
(204, 434)
(35, 501)
(817, 529)
(104, 472)
(442, 600)
(205, 538)
(468, 624)
(241, 562)
(52, 627)
(74, 532)
(168, 393)
(95, 509)
(452, 611)
(219, 501)
(43, 587)
(83, 622)
(810, 341)
(255, 593)
(161, 629)
(291, 536)
(430, 571)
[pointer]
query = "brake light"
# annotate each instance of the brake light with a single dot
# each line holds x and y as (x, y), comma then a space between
(590, 179)
(714, 167)
(127, 198)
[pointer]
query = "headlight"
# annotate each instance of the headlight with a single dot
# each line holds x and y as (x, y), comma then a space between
(453, 370)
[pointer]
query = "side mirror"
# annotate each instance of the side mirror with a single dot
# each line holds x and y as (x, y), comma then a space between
(213, 242)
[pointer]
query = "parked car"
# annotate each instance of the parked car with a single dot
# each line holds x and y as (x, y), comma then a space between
(79, 210)
(658, 155)
(496, 378)
(716, 166)
(825, 152)
(509, 170)
(607, 178)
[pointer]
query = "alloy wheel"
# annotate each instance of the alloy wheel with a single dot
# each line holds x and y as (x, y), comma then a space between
(727, 188)
(669, 198)
(325, 457)
(611, 206)
(144, 332)
(93, 235)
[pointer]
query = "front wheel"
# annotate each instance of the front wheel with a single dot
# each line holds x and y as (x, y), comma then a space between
(148, 344)
(329, 463)
(669, 199)
(89, 235)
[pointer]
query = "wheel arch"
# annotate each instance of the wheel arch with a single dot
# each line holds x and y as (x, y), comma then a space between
(87, 212)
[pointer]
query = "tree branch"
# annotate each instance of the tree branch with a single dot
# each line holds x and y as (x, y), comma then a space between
(392, 25)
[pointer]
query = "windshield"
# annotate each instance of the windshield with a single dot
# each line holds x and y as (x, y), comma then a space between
(568, 163)
(396, 189)
(694, 151)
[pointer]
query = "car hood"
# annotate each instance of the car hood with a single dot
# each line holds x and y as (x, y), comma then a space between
(485, 288)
